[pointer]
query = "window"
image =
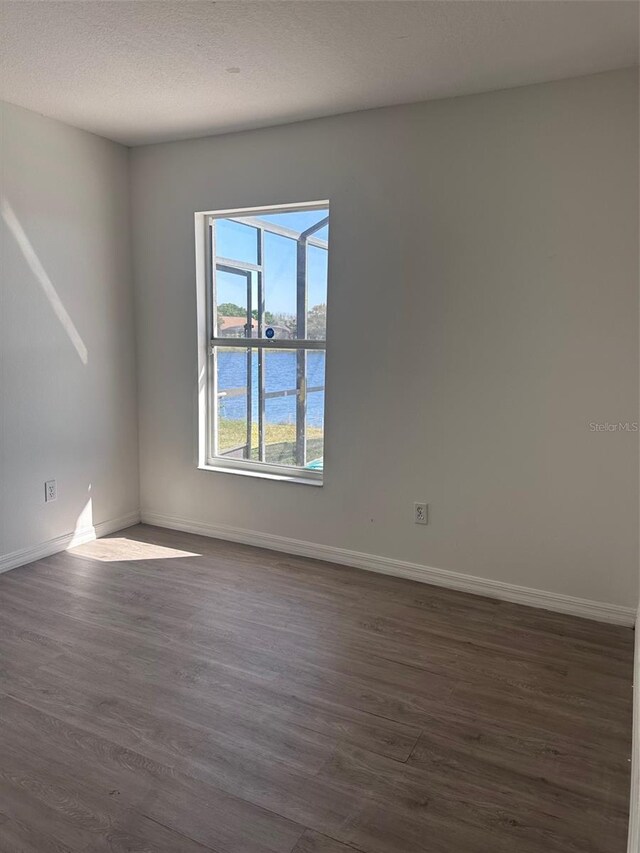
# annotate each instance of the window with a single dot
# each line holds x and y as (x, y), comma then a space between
(265, 276)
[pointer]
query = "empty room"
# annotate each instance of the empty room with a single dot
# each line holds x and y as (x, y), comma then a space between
(319, 421)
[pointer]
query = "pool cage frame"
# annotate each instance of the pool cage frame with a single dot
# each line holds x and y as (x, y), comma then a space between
(300, 344)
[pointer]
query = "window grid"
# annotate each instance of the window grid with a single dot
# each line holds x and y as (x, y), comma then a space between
(300, 344)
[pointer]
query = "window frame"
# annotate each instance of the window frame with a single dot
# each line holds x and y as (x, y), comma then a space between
(208, 342)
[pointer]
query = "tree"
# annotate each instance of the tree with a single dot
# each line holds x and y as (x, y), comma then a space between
(317, 322)
(316, 318)
(268, 317)
(230, 309)
(288, 321)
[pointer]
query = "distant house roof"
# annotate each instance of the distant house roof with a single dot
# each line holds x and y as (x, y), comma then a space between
(234, 327)
(229, 322)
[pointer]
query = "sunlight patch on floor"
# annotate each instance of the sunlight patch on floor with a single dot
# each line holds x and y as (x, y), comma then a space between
(121, 549)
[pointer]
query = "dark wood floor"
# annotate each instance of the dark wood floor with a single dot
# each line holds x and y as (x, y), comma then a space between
(236, 700)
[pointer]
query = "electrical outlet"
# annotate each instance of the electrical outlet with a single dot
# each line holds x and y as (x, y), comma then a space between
(420, 513)
(50, 491)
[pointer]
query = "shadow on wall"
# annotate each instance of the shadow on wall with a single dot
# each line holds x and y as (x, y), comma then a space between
(61, 513)
(13, 224)
(83, 531)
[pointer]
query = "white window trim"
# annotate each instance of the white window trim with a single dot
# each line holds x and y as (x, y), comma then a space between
(206, 410)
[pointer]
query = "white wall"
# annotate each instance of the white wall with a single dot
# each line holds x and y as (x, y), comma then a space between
(483, 310)
(67, 371)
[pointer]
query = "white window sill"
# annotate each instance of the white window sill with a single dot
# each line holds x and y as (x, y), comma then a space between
(264, 475)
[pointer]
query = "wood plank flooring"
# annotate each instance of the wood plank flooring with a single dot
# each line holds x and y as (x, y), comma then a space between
(168, 693)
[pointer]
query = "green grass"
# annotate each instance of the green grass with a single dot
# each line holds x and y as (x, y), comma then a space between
(280, 440)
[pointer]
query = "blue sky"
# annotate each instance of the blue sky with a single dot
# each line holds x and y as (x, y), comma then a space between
(237, 241)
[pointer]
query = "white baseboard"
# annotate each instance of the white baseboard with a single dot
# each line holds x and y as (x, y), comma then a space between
(67, 540)
(599, 611)
(634, 806)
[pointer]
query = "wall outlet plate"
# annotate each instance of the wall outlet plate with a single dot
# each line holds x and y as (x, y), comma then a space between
(50, 491)
(421, 513)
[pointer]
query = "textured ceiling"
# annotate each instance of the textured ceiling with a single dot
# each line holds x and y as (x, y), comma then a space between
(143, 72)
